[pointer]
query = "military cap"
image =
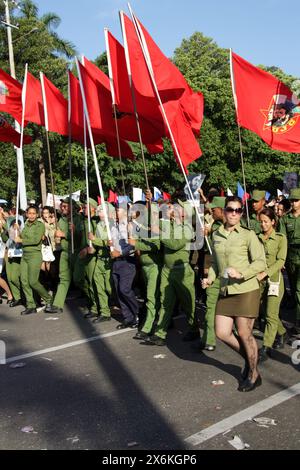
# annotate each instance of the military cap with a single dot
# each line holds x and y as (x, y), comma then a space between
(93, 203)
(67, 200)
(109, 207)
(294, 193)
(217, 201)
(257, 195)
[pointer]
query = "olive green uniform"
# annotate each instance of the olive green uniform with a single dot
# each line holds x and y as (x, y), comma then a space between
(151, 263)
(290, 226)
(209, 335)
(177, 277)
(232, 249)
(67, 260)
(276, 250)
(31, 262)
(101, 281)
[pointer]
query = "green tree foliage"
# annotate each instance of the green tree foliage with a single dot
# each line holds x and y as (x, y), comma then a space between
(206, 68)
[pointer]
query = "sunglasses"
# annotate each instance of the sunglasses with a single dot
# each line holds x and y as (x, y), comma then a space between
(238, 210)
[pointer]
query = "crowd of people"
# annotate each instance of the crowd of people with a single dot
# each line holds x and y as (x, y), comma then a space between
(240, 275)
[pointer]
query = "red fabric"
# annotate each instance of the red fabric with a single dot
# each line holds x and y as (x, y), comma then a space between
(57, 109)
(258, 95)
(98, 99)
(126, 123)
(10, 96)
(9, 134)
(99, 200)
(166, 196)
(183, 107)
(34, 107)
(112, 197)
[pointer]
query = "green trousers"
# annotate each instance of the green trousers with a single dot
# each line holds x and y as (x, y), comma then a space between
(100, 285)
(152, 276)
(176, 284)
(13, 272)
(209, 335)
(30, 272)
(270, 307)
(80, 277)
(65, 277)
(294, 278)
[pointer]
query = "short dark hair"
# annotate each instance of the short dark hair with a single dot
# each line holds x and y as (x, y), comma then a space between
(286, 204)
(32, 206)
(269, 212)
(233, 199)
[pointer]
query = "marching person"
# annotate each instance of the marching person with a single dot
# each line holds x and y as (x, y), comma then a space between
(238, 257)
(258, 199)
(66, 263)
(3, 240)
(102, 273)
(32, 237)
(275, 246)
(177, 276)
(290, 226)
(124, 270)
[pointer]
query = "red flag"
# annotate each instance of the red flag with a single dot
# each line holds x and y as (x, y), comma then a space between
(9, 134)
(183, 107)
(56, 108)
(266, 106)
(34, 108)
(99, 106)
(166, 196)
(99, 200)
(10, 96)
(112, 197)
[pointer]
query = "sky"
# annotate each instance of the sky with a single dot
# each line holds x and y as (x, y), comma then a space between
(262, 31)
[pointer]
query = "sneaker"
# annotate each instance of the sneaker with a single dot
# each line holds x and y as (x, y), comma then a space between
(101, 318)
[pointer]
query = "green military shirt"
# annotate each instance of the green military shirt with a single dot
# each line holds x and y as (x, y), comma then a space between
(290, 226)
(275, 250)
(239, 249)
(175, 239)
(254, 224)
(63, 225)
(32, 236)
(100, 242)
(84, 243)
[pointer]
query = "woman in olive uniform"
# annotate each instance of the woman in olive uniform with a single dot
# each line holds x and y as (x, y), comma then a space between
(32, 237)
(238, 257)
(275, 246)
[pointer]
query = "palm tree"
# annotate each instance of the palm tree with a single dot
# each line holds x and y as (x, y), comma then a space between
(49, 21)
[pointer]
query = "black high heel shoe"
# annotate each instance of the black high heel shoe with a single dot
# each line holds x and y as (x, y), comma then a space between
(248, 386)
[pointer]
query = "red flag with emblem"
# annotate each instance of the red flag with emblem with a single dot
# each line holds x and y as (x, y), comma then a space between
(266, 106)
(10, 96)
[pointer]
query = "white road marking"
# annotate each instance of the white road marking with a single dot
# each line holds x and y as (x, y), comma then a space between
(235, 420)
(67, 345)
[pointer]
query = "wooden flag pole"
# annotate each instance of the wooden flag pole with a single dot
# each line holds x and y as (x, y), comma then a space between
(150, 70)
(86, 171)
(70, 162)
(113, 98)
(48, 144)
(93, 151)
(133, 97)
(240, 135)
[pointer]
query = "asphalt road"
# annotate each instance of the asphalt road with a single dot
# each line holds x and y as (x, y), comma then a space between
(112, 392)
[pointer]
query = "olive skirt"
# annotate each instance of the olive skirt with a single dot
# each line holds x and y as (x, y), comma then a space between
(239, 305)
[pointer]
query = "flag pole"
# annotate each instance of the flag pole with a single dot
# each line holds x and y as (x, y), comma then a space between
(70, 162)
(86, 170)
(240, 135)
(150, 70)
(48, 144)
(133, 97)
(114, 105)
(93, 150)
(24, 90)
